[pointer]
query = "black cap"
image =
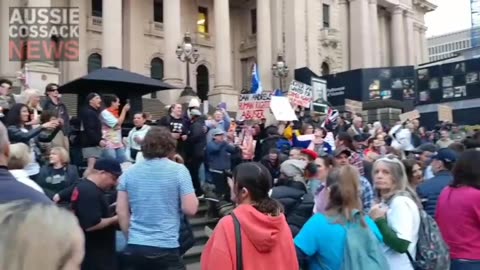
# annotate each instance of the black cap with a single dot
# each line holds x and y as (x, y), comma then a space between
(108, 165)
(342, 150)
(91, 96)
(361, 137)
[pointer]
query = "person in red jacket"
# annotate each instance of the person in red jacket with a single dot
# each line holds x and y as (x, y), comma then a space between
(267, 242)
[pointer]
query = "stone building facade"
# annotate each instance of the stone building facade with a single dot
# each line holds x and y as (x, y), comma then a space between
(327, 36)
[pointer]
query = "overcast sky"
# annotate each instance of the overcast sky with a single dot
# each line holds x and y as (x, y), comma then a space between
(450, 15)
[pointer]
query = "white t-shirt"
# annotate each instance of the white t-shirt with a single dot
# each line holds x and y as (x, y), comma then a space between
(404, 218)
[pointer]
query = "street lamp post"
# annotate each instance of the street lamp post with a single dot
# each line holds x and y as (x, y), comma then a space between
(280, 69)
(188, 54)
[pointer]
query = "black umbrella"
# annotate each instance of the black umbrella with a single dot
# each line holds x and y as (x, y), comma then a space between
(116, 81)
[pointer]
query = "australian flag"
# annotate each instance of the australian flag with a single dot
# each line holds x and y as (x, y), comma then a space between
(256, 83)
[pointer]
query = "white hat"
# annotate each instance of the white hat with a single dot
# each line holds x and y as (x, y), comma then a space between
(194, 103)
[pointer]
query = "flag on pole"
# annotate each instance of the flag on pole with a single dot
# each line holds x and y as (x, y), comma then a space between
(256, 83)
(278, 93)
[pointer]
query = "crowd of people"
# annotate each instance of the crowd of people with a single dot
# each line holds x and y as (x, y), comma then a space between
(318, 193)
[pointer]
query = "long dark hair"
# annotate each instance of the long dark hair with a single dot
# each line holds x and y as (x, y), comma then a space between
(466, 171)
(346, 139)
(257, 180)
(13, 117)
(343, 183)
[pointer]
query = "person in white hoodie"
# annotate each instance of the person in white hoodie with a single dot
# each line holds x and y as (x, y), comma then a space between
(17, 161)
(135, 137)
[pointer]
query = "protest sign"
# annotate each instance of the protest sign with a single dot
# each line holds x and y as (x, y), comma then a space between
(319, 87)
(411, 115)
(282, 110)
(252, 106)
(300, 94)
(445, 113)
(353, 106)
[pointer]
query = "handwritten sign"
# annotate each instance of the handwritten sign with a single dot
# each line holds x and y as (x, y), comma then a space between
(282, 110)
(353, 106)
(300, 94)
(445, 113)
(411, 115)
(253, 106)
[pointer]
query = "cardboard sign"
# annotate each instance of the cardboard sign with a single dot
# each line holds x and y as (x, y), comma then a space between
(445, 113)
(353, 106)
(411, 115)
(282, 110)
(251, 106)
(300, 94)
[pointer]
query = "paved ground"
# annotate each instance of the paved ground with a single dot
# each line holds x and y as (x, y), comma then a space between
(193, 266)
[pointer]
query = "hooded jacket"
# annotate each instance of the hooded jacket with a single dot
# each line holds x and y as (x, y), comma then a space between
(266, 243)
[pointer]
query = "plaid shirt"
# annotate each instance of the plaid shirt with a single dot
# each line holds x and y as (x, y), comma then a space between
(367, 195)
(356, 161)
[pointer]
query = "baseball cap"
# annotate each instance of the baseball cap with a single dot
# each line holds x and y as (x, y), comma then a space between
(426, 147)
(446, 155)
(218, 131)
(340, 151)
(361, 137)
(109, 165)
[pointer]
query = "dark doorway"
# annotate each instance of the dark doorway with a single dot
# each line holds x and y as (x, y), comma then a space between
(94, 62)
(156, 71)
(202, 82)
(325, 69)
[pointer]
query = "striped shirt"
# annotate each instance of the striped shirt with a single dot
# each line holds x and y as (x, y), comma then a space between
(155, 188)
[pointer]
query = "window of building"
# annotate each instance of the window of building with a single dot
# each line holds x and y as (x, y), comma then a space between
(202, 22)
(325, 69)
(158, 11)
(202, 82)
(94, 62)
(253, 18)
(97, 8)
(326, 16)
(156, 71)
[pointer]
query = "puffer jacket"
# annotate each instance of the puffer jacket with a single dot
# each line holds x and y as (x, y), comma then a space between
(297, 202)
(430, 190)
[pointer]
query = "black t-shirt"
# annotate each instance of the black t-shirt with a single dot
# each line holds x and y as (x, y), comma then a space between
(90, 206)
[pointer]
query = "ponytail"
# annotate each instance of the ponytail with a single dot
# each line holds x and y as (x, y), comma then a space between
(269, 206)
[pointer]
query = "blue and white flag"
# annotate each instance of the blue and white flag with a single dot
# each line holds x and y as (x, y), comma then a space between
(256, 83)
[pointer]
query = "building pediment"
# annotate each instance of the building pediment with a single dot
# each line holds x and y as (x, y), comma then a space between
(426, 5)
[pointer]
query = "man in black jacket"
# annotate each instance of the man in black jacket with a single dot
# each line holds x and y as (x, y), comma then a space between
(91, 131)
(195, 148)
(54, 104)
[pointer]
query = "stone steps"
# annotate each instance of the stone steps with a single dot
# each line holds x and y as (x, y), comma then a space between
(198, 223)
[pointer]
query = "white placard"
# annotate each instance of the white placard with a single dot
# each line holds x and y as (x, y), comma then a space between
(282, 110)
(300, 94)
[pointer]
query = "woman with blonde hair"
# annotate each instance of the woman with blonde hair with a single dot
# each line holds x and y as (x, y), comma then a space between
(398, 215)
(39, 236)
(59, 174)
(18, 159)
(32, 100)
(323, 239)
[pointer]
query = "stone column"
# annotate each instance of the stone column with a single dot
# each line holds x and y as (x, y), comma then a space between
(112, 33)
(398, 37)
(344, 33)
(8, 69)
(418, 46)
(223, 89)
(383, 40)
(314, 24)
(277, 33)
(375, 35)
(264, 43)
(134, 38)
(424, 46)
(409, 17)
(360, 52)
(295, 35)
(78, 68)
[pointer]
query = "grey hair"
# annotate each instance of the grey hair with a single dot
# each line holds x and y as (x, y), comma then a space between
(399, 175)
(4, 141)
(52, 227)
